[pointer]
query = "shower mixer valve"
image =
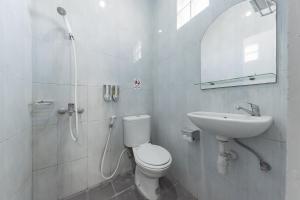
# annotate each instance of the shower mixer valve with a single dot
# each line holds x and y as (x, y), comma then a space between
(70, 110)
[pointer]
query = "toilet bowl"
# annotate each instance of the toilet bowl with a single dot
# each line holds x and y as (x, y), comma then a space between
(152, 161)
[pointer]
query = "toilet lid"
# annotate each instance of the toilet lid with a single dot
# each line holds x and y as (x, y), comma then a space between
(153, 154)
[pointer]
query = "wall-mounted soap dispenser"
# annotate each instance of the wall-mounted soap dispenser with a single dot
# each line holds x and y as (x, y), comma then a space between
(107, 93)
(111, 93)
(115, 93)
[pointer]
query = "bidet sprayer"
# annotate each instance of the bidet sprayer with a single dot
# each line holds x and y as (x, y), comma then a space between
(112, 121)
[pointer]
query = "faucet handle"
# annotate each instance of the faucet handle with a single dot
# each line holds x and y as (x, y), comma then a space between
(252, 105)
(255, 108)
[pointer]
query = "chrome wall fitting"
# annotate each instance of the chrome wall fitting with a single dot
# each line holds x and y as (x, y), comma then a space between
(107, 93)
(115, 93)
(43, 103)
(70, 110)
(191, 135)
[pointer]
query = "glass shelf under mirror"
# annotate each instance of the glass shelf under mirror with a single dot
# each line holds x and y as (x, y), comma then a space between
(244, 80)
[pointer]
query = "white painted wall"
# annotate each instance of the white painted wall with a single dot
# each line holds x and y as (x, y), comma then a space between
(293, 136)
(15, 99)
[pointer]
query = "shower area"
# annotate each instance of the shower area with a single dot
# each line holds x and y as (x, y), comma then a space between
(78, 47)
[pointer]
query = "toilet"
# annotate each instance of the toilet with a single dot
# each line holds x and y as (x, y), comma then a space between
(152, 161)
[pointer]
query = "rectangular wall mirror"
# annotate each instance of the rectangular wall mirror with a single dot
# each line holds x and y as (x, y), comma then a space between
(239, 47)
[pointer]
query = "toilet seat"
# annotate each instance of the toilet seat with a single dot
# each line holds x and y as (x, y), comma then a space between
(152, 157)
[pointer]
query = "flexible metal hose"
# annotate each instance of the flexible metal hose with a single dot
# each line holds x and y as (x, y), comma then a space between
(264, 166)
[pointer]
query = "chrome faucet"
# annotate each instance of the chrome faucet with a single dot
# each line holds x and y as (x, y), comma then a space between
(255, 111)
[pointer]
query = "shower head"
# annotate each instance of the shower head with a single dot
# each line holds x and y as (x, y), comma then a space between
(61, 11)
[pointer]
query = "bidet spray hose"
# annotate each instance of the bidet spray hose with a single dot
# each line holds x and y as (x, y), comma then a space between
(104, 155)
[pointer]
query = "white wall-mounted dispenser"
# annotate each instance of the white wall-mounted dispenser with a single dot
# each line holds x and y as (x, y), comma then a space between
(107, 93)
(115, 93)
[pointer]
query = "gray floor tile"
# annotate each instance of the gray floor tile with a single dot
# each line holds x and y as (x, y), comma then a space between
(175, 193)
(130, 194)
(169, 193)
(183, 194)
(81, 196)
(165, 183)
(123, 182)
(102, 192)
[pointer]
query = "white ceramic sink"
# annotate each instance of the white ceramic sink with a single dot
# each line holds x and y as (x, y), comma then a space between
(229, 125)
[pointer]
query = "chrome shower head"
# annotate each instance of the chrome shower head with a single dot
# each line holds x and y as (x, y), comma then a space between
(61, 11)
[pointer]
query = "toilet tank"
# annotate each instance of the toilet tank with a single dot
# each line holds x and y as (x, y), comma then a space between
(136, 130)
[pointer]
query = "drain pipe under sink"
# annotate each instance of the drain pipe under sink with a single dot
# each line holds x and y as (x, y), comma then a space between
(224, 157)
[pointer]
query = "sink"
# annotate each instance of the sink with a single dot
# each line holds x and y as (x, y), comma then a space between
(227, 125)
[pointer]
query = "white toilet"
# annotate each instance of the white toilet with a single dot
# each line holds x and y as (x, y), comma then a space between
(152, 161)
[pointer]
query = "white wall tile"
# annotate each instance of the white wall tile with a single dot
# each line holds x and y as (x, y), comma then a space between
(98, 109)
(45, 184)
(15, 94)
(45, 145)
(293, 164)
(94, 176)
(68, 150)
(72, 177)
(16, 163)
(44, 115)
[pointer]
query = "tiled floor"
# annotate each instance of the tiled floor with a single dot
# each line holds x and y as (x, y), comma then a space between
(123, 188)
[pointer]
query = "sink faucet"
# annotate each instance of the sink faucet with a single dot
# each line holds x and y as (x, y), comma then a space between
(255, 111)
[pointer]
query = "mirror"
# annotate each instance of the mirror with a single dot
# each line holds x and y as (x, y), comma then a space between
(239, 47)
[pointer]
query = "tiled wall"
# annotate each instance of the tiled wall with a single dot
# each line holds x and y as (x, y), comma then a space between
(15, 99)
(106, 40)
(176, 67)
(293, 136)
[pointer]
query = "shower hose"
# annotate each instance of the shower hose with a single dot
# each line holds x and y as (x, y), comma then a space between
(74, 136)
(104, 155)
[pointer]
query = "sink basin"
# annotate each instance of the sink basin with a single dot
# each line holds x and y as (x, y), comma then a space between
(227, 125)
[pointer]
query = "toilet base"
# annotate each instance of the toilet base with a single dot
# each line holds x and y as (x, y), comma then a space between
(148, 186)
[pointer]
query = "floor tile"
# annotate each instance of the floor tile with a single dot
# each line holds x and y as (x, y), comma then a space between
(130, 194)
(165, 183)
(102, 192)
(176, 192)
(182, 194)
(81, 196)
(123, 182)
(126, 190)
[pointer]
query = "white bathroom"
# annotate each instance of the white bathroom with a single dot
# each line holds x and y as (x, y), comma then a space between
(149, 100)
